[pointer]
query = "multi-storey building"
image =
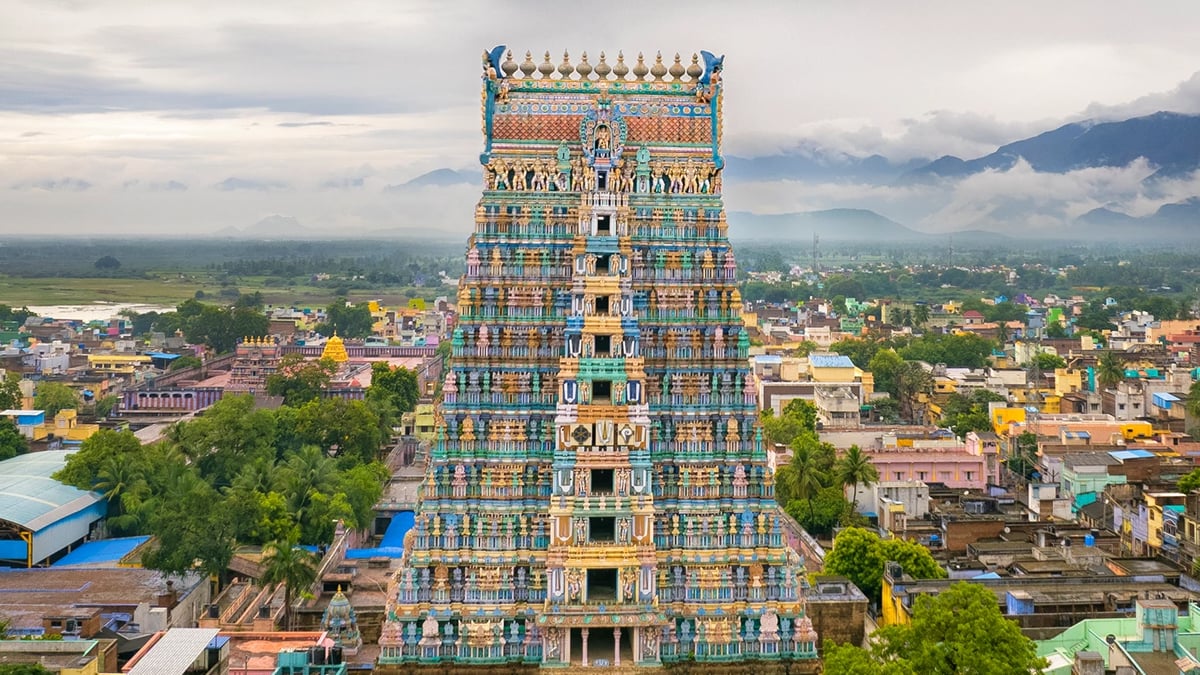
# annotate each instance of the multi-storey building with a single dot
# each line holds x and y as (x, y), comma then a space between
(598, 491)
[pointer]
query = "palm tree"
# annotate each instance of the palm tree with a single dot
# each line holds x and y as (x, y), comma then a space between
(912, 380)
(920, 315)
(807, 478)
(852, 469)
(288, 564)
(1110, 369)
(123, 485)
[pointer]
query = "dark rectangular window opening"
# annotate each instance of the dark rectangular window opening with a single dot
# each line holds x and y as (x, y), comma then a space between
(603, 345)
(602, 304)
(602, 391)
(602, 264)
(601, 584)
(604, 225)
(602, 481)
(601, 180)
(602, 529)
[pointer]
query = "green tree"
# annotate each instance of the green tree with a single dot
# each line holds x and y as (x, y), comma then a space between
(964, 414)
(108, 264)
(1056, 330)
(398, 386)
(24, 669)
(103, 448)
(828, 508)
(299, 380)
(955, 632)
(859, 555)
(12, 443)
(859, 351)
(912, 381)
(1110, 369)
(805, 476)
(121, 481)
(230, 434)
(853, 469)
(105, 406)
(53, 397)
(962, 350)
(1023, 460)
(285, 563)
(1047, 362)
(920, 314)
(348, 321)
(185, 362)
(10, 391)
(885, 366)
(192, 524)
(348, 430)
(1193, 401)
(1189, 481)
(799, 417)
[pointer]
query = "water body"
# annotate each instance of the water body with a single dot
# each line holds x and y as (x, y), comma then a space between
(95, 311)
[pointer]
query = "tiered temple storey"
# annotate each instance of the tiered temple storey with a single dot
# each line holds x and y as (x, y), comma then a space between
(598, 492)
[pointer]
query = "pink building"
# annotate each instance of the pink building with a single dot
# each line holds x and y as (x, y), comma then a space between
(948, 461)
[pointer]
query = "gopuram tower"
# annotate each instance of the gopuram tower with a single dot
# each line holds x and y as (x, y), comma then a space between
(598, 493)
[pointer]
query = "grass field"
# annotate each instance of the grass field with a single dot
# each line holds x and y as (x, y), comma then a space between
(172, 290)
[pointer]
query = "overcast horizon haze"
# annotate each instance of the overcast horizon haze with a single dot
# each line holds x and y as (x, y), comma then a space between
(131, 117)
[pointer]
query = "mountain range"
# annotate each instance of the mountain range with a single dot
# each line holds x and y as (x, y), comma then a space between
(1168, 143)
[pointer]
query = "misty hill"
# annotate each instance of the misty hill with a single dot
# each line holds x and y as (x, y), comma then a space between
(438, 178)
(1180, 220)
(271, 227)
(814, 163)
(831, 225)
(1170, 141)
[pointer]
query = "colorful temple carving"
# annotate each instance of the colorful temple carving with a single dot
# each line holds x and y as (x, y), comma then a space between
(598, 492)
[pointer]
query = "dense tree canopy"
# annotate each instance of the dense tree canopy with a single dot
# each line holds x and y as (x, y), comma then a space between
(237, 475)
(960, 631)
(346, 320)
(860, 554)
(53, 397)
(396, 386)
(966, 413)
(299, 380)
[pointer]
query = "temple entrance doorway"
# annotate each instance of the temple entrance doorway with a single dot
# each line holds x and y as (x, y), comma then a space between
(597, 647)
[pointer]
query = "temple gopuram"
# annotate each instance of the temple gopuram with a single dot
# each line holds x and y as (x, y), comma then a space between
(598, 493)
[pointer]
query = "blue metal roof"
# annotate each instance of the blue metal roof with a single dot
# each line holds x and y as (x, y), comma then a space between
(33, 500)
(830, 361)
(103, 552)
(1131, 454)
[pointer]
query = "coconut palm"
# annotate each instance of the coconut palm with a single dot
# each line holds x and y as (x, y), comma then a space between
(1110, 369)
(288, 564)
(920, 315)
(853, 469)
(806, 476)
(124, 486)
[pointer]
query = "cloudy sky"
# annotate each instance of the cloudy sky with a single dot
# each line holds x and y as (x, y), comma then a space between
(137, 116)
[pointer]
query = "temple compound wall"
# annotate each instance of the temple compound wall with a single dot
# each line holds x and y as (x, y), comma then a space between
(598, 492)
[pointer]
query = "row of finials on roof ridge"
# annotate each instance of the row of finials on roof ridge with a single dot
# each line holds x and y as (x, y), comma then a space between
(601, 71)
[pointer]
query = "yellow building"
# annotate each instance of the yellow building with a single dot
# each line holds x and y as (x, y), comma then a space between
(121, 364)
(65, 426)
(1155, 503)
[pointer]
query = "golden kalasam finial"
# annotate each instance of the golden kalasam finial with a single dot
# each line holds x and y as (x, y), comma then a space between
(620, 70)
(677, 70)
(528, 66)
(602, 68)
(659, 71)
(584, 68)
(565, 68)
(509, 66)
(639, 68)
(546, 68)
(695, 70)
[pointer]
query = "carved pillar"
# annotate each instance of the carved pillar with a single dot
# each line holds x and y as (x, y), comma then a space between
(583, 632)
(617, 647)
